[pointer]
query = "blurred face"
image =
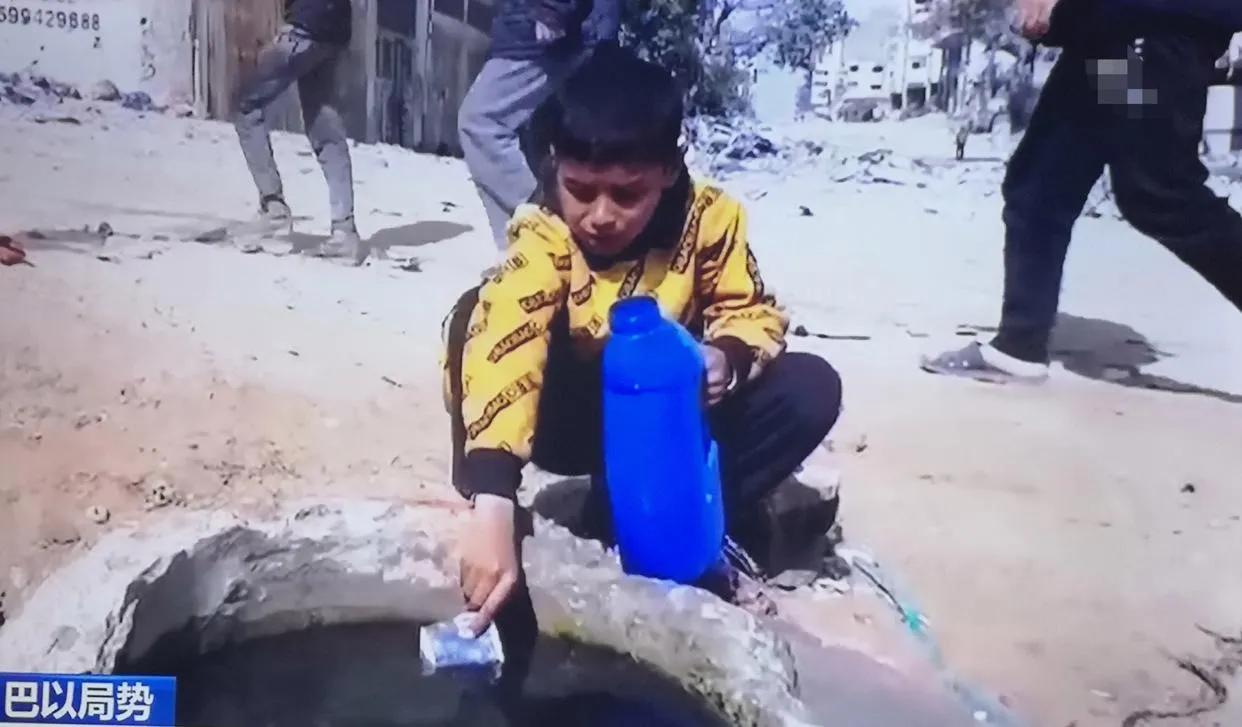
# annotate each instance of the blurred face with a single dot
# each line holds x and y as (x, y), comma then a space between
(608, 205)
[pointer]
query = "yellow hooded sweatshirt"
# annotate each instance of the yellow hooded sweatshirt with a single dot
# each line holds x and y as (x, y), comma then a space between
(694, 259)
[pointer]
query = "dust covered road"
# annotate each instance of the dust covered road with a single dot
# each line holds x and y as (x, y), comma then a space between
(1061, 539)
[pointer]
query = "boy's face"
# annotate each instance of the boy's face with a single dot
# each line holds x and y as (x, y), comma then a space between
(608, 205)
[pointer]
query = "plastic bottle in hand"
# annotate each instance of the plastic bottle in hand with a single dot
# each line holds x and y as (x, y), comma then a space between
(661, 464)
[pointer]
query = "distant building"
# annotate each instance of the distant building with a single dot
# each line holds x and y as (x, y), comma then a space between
(914, 70)
(402, 79)
(916, 66)
(828, 79)
(865, 79)
(838, 78)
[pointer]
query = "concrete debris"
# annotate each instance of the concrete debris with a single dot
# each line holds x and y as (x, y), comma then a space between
(216, 234)
(73, 120)
(741, 145)
(861, 110)
(792, 580)
(409, 265)
(875, 156)
(98, 514)
(29, 90)
(159, 493)
(138, 101)
(105, 91)
(881, 166)
(86, 419)
(19, 96)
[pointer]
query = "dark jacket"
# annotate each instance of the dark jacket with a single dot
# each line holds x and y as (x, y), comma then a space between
(585, 23)
(1087, 24)
(327, 21)
(1225, 15)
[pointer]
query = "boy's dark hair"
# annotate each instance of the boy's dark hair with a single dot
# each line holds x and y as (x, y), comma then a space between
(614, 108)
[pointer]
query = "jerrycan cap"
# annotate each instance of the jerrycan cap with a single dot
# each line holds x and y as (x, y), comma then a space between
(635, 315)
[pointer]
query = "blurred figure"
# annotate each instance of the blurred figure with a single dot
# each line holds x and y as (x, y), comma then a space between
(1129, 92)
(305, 51)
(962, 136)
(535, 44)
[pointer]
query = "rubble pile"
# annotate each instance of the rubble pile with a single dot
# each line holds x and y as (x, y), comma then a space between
(26, 89)
(724, 147)
(882, 166)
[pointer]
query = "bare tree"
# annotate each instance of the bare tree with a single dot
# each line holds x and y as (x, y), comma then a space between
(800, 30)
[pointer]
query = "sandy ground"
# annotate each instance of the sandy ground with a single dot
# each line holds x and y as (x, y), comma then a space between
(1064, 540)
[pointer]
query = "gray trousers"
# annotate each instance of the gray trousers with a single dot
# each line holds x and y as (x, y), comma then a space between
(294, 56)
(498, 104)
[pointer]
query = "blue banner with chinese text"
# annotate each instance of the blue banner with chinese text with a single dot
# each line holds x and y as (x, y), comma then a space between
(87, 699)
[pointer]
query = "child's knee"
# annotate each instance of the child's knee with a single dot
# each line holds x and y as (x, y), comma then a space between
(811, 389)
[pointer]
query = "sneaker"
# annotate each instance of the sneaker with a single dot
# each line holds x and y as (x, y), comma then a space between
(344, 243)
(984, 362)
(787, 529)
(274, 218)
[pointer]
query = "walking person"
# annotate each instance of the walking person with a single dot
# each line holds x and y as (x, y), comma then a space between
(1129, 92)
(305, 51)
(535, 45)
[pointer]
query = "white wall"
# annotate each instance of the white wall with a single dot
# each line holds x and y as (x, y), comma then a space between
(1222, 124)
(140, 45)
(774, 95)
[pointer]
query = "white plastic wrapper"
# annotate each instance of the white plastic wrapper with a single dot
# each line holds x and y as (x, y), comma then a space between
(450, 645)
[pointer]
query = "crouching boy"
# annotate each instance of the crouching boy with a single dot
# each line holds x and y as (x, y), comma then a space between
(619, 216)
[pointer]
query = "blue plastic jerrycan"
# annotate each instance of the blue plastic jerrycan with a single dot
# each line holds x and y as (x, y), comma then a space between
(661, 463)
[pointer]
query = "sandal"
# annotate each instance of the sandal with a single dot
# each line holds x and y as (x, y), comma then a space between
(985, 363)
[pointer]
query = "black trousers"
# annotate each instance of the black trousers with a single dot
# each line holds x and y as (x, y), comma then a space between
(1081, 125)
(765, 430)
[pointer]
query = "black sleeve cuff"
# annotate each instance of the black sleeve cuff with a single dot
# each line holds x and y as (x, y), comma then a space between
(739, 355)
(492, 472)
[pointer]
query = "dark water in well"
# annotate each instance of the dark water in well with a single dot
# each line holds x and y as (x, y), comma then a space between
(369, 676)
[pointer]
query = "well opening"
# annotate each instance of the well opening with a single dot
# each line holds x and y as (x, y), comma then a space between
(276, 633)
(347, 579)
(368, 674)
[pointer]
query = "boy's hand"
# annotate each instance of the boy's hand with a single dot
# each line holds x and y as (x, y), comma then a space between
(719, 374)
(1035, 17)
(489, 567)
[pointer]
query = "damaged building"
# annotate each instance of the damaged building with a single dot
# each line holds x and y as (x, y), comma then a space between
(401, 81)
